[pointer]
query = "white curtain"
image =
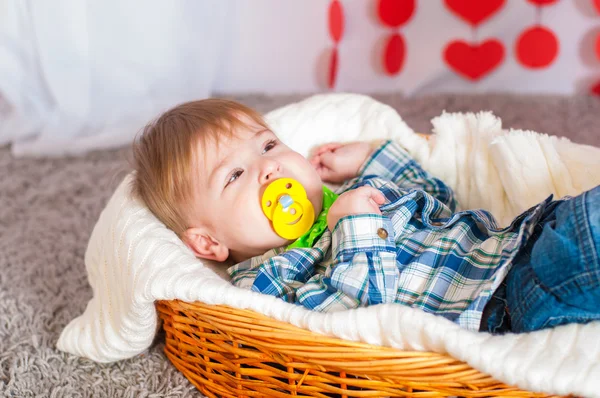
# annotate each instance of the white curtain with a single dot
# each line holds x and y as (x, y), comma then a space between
(81, 75)
(88, 74)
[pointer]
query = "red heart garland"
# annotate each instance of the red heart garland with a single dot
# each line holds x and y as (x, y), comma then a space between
(596, 89)
(474, 11)
(333, 68)
(542, 3)
(394, 54)
(336, 21)
(597, 4)
(394, 13)
(474, 61)
(537, 47)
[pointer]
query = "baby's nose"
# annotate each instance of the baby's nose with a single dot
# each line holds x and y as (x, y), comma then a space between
(271, 171)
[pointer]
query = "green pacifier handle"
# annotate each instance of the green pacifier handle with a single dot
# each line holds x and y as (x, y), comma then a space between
(320, 225)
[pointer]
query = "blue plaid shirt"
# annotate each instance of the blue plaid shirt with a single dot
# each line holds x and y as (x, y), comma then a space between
(419, 252)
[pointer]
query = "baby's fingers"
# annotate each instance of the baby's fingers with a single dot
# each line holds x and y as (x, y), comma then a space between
(377, 196)
(372, 194)
(328, 175)
(332, 146)
(315, 160)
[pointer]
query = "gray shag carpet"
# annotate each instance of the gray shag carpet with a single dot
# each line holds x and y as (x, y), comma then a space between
(48, 208)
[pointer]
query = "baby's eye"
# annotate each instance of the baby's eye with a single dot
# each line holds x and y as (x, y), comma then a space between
(270, 145)
(234, 176)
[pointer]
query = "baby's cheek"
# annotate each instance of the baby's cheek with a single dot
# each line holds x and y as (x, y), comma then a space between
(259, 224)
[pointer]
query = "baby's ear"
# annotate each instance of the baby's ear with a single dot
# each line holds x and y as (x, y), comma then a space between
(204, 245)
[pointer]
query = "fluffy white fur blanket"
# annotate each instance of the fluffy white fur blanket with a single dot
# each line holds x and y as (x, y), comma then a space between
(503, 171)
(133, 260)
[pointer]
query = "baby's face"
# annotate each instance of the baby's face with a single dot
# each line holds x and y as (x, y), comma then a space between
(233, 177)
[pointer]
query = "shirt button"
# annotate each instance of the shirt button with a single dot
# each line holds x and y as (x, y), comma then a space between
(383, 234)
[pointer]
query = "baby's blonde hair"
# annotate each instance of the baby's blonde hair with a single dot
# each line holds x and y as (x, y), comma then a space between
(163, 153)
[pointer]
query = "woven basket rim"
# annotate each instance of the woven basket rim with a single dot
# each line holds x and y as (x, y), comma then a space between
(223, 351)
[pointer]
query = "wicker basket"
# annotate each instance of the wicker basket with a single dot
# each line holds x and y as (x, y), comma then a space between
(227, 352)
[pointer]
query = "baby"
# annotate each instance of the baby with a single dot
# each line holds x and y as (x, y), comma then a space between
(392, 235)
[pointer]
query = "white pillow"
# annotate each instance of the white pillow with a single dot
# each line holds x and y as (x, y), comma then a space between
(327, 118)
(131, 255)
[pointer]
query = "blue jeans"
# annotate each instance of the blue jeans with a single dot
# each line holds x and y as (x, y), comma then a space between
(555, 278)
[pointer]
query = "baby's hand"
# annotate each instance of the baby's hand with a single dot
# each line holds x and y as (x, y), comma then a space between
(363, 200)
(337, 163)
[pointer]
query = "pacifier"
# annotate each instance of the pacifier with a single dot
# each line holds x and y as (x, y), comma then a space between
(286, 204)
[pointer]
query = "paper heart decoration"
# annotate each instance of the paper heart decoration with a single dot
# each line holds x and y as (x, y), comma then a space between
(333, 68)
(597, 4)
(474, 11)
(393, 57)
(542, 2)
(537, 47)
(336, 21)
(596, 89)
(395, 13)
(474, 61)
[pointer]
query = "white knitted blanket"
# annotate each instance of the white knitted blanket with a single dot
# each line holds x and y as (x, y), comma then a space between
(133, 260)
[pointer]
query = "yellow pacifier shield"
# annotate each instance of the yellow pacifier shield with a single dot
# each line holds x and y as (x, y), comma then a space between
(285, 203)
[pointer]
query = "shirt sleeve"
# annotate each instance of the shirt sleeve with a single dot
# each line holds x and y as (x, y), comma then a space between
(364, 259)
(280, 275)
(392, 162)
